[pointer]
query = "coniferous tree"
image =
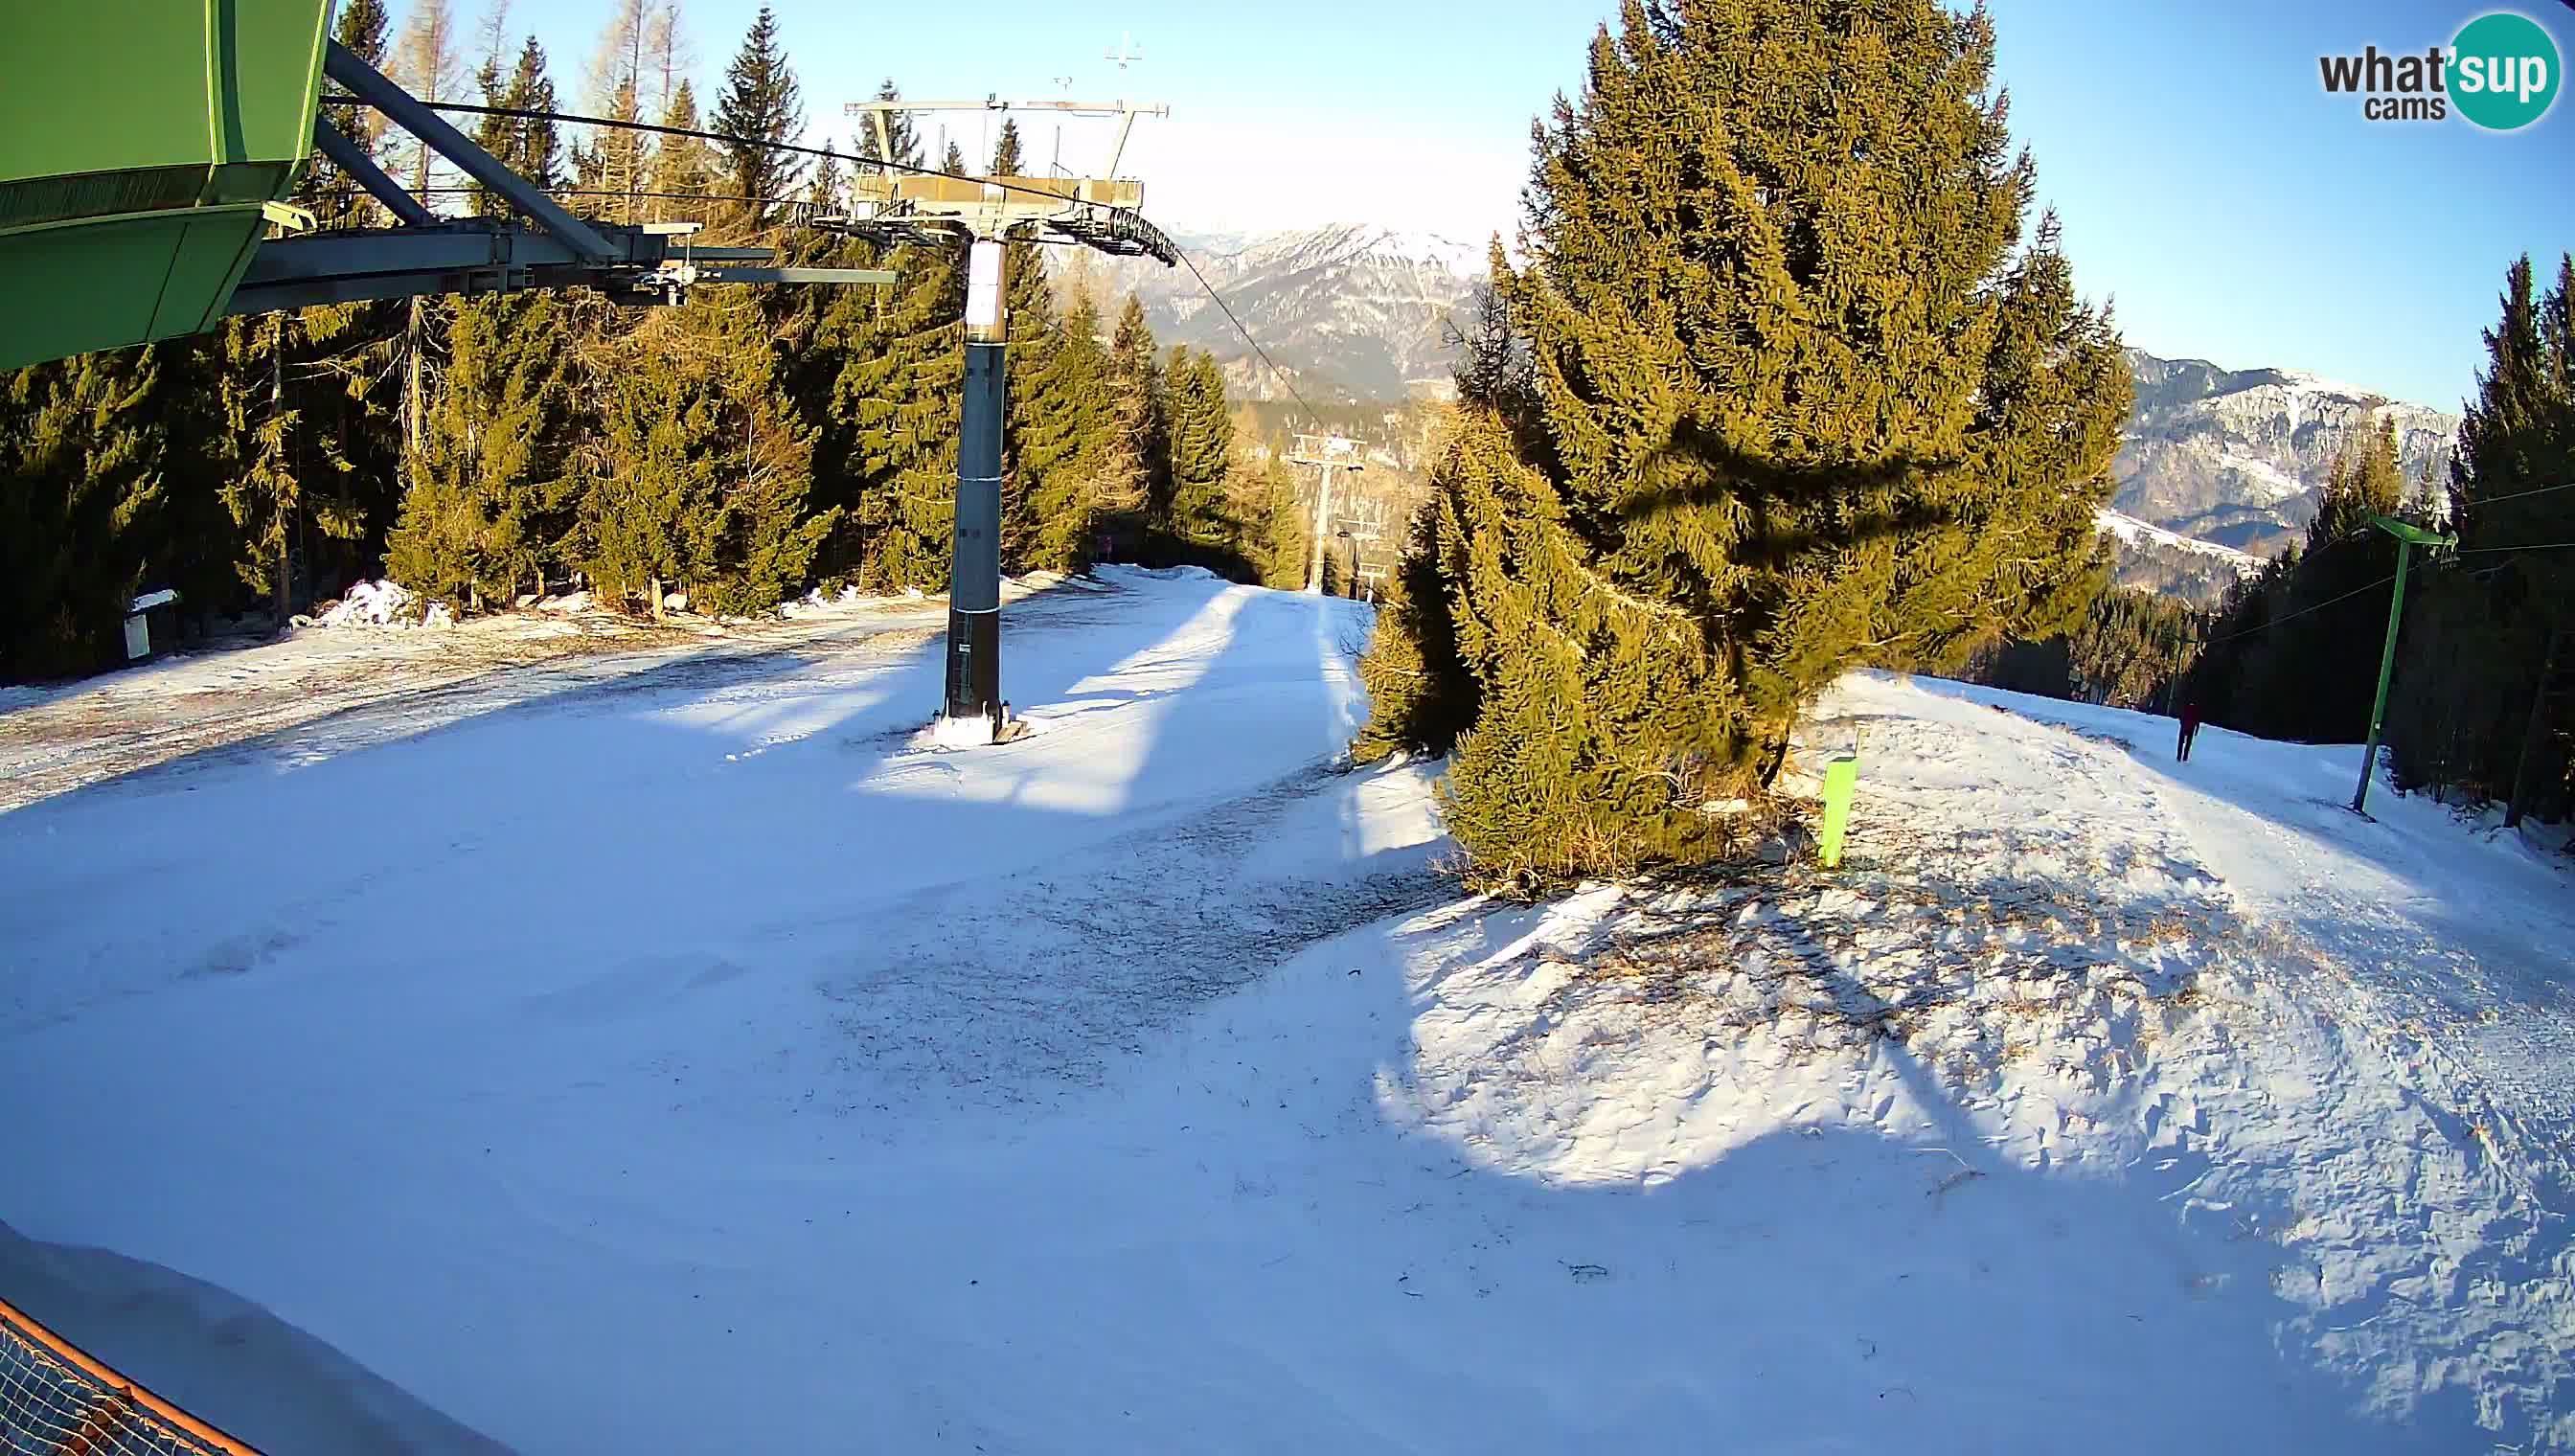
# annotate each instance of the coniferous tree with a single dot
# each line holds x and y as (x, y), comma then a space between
(1420, 696)
(954, 163)
(335, 197)
(1063, 442)
(82, 445)
(1133, 485)
(2311, 674)
(827, 193)
(612, 166)
(527, 147)
(2485, 694)
(701, 472)
(1284, 533)
(428, 65)
(1804, 397)
(1034, 388)
(242, 437)
(900, 131)
(1007, 160)
(488, 493)
(683, 167)
(895, 395)
(1197, 514)
(762, 101)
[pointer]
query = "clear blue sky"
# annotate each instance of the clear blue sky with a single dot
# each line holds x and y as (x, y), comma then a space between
(2207, 184)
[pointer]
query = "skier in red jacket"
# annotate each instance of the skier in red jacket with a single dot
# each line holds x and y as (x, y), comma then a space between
(2189, 729)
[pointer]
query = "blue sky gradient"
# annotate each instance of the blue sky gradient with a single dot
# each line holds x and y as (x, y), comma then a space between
(2207, 184)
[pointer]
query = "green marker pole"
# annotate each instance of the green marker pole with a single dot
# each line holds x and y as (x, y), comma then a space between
(2407, 537)
(1842, 779)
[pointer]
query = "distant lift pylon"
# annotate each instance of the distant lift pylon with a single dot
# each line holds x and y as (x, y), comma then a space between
(986, 213)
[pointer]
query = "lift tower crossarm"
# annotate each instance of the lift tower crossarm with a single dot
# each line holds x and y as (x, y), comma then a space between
(370, 86)
(1125, 111)
(351, 158)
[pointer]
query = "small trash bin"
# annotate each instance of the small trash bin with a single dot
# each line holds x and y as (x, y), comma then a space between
(138, 621)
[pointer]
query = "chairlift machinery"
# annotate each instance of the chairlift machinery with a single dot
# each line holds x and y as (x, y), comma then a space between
(985, 214)
(148, 159)
(146, 168)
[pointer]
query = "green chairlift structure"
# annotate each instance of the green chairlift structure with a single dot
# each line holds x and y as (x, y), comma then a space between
(148, 154)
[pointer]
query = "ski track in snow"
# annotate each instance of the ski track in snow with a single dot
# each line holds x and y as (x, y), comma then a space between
(670, 1052)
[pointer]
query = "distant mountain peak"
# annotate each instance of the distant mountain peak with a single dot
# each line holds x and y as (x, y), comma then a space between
(2237, 458)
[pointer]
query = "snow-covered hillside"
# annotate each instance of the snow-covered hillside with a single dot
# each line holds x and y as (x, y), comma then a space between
(2130, 529)
(672, 1053)
(2239, 456)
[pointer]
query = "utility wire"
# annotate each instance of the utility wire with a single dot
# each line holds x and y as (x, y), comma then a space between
(2381, 581)
(2476, 501)
(2546, 545)
(2301, 612)
(1227, 309)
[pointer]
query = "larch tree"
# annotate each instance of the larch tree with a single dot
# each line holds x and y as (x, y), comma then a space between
(1133, 469)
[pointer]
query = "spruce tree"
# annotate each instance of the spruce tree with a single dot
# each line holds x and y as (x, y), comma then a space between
(1062, 444)
(1197, 516)
(699, 475)
(1420, 696)
(761, 103)
(1034, 385)
(1803, 396)
(244, 437)
(82, 445)
(954, 164)
(2483, 698)
(906, 139)
(1286, 535)
(336, 199)
(895, 395)
(1006, 150)
(827, 193)
(488, 491)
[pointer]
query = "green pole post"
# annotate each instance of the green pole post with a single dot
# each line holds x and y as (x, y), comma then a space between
(1842, 779)
(2386, 669)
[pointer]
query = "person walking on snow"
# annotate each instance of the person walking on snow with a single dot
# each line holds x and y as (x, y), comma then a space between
(2189, 729)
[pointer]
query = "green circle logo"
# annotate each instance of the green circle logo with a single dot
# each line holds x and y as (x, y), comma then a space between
(2503, 71)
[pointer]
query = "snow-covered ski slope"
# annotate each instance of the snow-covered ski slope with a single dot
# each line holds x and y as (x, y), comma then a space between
(679, 1058)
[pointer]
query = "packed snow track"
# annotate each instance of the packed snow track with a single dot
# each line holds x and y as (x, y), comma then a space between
(421, 1042)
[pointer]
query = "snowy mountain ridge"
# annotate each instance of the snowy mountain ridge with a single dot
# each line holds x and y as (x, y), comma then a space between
(2131, 530)
(2239, 457)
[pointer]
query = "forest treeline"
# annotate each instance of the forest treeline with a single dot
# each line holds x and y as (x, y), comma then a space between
(2481, 701)
(739, 448)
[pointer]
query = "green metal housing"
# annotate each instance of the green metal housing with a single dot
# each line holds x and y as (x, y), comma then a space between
(139, 143)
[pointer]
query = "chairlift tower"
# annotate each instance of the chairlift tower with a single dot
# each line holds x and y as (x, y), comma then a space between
(985, 213)
(1331, 453)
